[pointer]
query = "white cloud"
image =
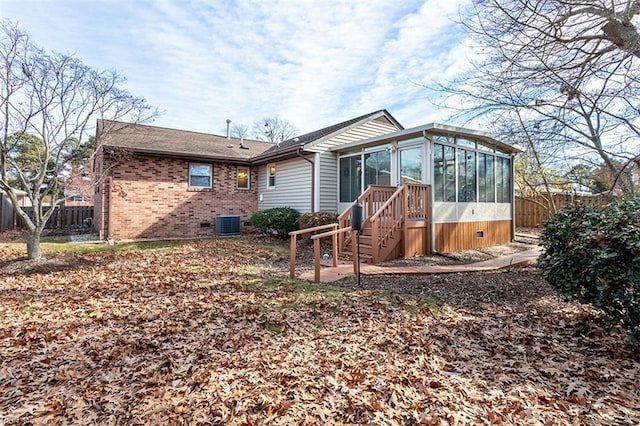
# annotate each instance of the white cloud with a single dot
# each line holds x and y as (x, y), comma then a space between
(312, 63)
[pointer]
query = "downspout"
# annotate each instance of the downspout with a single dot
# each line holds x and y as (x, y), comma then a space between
(313, 177)
(107, 208)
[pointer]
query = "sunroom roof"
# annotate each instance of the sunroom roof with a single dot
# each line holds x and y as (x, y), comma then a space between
(431, 128)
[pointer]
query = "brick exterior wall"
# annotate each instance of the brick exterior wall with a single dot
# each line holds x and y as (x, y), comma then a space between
(149, 197)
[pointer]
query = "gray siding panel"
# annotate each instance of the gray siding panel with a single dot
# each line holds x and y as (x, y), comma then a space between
(293, 177)
(364, 131)
(329, 161)
(293, 186)
(328, 182)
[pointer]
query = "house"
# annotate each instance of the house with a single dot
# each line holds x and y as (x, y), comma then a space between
(78, 187)
(451, 188)
(154, 182)
(454, 190)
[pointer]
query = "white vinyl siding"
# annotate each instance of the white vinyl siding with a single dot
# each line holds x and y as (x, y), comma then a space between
(367, 130)
(470, 212)
(293, 177)
(328, 182)
(293, 186)
(329, 161)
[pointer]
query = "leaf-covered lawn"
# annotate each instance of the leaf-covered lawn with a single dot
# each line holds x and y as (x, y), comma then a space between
(209, 332)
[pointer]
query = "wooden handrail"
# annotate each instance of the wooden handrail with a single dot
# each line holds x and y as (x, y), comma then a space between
(367, 199)
(316, 251)
(377, 214)
(315, 228)
(293, 243)
(410, 201)
(330, 233)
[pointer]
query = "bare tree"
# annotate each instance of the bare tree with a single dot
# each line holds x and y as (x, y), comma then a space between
(274, 129)
(240, 130)
(566, 70)
(49, 104)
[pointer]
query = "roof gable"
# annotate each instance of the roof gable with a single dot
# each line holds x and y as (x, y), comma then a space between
(330, 131)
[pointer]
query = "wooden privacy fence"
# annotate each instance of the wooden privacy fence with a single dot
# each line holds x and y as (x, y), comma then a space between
(64, 217)
(531, 212)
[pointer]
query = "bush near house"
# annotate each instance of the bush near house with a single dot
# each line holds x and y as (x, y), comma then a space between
(279, 220)
(311, 220)
(592, 254)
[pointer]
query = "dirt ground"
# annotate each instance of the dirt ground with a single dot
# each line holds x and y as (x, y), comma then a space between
(213, 332)
(505, 287)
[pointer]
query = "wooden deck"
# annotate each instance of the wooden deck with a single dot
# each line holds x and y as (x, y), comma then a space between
(334, 273)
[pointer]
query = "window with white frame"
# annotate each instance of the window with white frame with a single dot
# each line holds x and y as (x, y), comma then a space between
(200, 175)
(480, 174)
(242, 178)
(271, 175)
(503, 180)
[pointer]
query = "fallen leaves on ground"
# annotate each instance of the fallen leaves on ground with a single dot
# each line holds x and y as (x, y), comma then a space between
(198, 333)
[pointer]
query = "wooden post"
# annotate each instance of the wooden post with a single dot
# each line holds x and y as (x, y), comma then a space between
(292, 256)
(335, 247)
(355, 240)
(404, 214)
(316, 260)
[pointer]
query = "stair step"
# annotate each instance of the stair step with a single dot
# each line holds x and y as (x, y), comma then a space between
(364, 258)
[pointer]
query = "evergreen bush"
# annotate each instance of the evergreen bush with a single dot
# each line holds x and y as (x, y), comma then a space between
(593, 255)
(278, 220)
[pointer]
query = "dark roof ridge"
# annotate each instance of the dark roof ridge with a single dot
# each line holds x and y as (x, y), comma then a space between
(326, 131)
(182, 130)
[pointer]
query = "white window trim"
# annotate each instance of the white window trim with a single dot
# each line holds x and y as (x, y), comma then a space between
(269, 175)
(243, 188)
(210, 166)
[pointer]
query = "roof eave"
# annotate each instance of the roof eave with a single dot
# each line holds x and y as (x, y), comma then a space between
(428, 128)
(284, 154)
(184, 155)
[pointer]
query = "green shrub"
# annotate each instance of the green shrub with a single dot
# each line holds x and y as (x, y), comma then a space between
(593, 255)
(279, 220)
(311, 220)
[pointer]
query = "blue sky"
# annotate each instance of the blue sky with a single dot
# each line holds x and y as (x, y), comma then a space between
(313, 63)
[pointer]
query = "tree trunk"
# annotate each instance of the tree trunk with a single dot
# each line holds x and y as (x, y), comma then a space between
(33, 244)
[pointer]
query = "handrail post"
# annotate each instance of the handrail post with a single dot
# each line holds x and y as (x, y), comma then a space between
(316, 260)
(335, 246)
(405, 216)
(354, 252)
(292, 256)
(375, 240)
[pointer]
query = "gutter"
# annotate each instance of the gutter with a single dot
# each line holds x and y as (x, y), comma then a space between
(184, 156)
(283, 154)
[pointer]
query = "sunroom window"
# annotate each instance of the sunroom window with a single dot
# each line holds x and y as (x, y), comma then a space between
(466, 176)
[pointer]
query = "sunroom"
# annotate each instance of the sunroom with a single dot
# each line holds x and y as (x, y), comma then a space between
(454, 189)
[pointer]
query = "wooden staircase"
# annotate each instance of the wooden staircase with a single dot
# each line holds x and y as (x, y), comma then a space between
(391, 217)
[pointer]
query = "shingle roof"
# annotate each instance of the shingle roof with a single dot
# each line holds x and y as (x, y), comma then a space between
(180, 143)
(321, 133)
(163, 141)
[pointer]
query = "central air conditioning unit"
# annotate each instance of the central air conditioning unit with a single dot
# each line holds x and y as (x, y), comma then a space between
(228, 224)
